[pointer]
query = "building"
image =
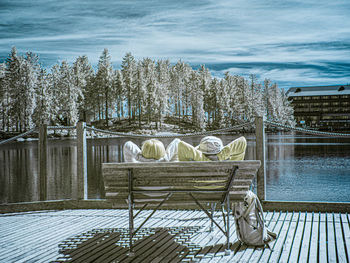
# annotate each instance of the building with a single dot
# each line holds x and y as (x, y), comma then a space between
(321, 107)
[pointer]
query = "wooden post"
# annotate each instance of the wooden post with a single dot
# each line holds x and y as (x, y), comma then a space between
(43, 169)
(260, 155)
(82, 186)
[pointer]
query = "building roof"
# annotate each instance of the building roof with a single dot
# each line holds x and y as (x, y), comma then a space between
(319, 91)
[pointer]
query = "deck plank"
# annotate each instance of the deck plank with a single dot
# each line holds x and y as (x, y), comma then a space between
(345, 223)
(339, 239)
(267, 253)
(313, 246)
(332, 253)
(305, 241)
(286, 233)
(297, 240)
(278, 245)
(323, 254)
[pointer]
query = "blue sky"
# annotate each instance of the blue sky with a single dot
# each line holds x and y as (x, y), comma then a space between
(294, 43)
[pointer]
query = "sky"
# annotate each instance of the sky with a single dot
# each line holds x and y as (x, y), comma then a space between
(293, 43)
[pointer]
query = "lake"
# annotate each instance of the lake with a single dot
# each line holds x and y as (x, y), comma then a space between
(299, 167)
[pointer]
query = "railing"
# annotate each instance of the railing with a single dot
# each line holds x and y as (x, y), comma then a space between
(80, 179)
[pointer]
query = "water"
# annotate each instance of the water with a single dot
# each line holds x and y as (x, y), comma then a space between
(299, 168)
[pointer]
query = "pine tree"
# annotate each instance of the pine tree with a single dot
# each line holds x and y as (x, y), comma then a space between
(197, 99)
(54, 91)
(69, 95)
(270, 99)
(232, 110)
(3, 97)
(20, 80)
(151, 96)
(179, 89)
(163, 73)
(104, 81)
(13, 83)
(287, 114)
(44, 100)
(118, 83)
(84, 76)
(140, 92)
(129, 72)
(31, 73)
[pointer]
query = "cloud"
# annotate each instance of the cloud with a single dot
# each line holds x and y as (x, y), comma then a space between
(283, 33)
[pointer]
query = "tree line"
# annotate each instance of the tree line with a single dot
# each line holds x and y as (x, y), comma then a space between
(141, 91)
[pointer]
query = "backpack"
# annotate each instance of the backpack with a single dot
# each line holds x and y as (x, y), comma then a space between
(250, 224)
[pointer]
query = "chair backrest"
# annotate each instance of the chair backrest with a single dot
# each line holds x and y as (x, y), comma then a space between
(151, 182)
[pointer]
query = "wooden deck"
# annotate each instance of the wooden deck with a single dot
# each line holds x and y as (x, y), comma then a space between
(171, 236)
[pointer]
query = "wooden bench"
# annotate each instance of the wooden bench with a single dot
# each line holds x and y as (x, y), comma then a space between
(181, 185)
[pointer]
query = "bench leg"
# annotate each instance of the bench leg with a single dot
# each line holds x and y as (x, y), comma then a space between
(227, 250)
(131, 225)
(213, 206)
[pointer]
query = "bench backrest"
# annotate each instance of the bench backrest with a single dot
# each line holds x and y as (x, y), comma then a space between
(151, 182)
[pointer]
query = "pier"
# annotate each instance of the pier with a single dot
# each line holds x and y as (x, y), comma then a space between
(85, 230)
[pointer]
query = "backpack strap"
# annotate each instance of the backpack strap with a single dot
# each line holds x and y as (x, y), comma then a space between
(258, 205)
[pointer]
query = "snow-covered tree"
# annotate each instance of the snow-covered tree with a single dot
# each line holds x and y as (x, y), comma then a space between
(129, 75)
(20, 81)
(104, 82)
(31, 73)
(150, 82)
(54, 91)
(84, 77)
(163, 88)
(118, 85)
(42, 112)
(140, 91)
(14, 64)
(68, 95)
(196, 89)
(179, 89)
(3, 97)
(287, 114)
(278, 107)
(257, 103)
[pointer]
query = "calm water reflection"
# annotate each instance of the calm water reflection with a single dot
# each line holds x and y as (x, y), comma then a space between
(302, 168)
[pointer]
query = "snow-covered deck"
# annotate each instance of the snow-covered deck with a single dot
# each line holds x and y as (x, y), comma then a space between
(99, 235)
